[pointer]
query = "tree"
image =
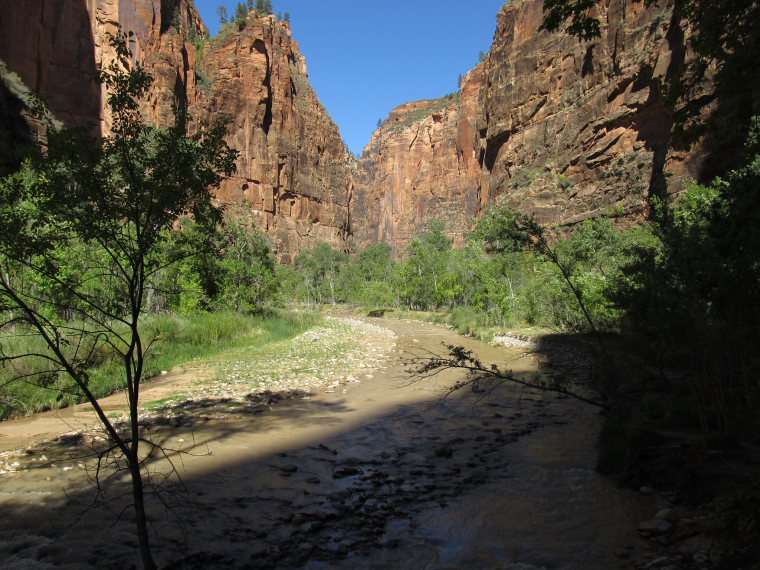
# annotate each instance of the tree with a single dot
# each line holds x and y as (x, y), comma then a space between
(286, 17)
(246, 268)
(241, 16)
(263, 7)
(221, 11)
(369, 275)
(581, 24)
(320, 268)
(423, 271)
(119, 198)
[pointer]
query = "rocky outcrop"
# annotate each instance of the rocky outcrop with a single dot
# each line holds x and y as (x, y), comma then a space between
(422, 164)
(294, 172)
(565, 130)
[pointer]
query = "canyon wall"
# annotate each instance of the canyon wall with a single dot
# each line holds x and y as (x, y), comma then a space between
(422, 164)
(562, 129)
(294, 173)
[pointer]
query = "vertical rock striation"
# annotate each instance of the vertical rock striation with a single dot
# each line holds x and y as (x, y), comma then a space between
(563, 129)
(422, 164)
(295, 175)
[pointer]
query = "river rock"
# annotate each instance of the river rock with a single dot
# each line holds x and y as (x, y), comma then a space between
(666, 514)
(693, 545)
(444, 451)
(346, 471)
(655, 527)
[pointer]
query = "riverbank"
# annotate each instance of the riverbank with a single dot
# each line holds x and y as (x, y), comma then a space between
(244, 379)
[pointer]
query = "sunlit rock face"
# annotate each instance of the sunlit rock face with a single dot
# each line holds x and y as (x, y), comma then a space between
(294, 173)
(422, 164)
(563, 129)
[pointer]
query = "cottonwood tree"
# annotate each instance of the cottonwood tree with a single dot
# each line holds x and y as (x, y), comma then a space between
(118, 197)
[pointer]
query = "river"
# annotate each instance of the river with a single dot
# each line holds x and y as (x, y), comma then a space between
(384, 474)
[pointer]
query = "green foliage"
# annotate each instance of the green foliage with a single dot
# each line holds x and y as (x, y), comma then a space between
(263, 7)
(399, 121)
(368, 275)
(114, 201)
(204, 82)
(176, 339)
(241, 16)
(581, 25)
(423, 272)
(320, 268)
(565, 182)
(221, 12)
(247, 277)
(699, 285)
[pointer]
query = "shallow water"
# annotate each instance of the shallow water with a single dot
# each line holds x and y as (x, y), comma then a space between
(384, 476)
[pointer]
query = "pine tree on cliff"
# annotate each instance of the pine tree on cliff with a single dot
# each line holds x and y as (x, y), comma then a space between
(221, 11)
(241, 15)
(263, 7)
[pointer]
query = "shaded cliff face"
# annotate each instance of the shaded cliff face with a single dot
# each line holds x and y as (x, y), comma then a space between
(563, 129)
(50, 46)
(294, 172)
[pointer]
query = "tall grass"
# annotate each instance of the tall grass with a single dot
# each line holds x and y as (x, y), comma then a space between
(172, 339)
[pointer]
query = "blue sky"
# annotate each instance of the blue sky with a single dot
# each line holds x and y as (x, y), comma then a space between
(366, 57)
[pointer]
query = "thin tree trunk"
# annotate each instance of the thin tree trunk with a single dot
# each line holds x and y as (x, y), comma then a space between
(138, 496)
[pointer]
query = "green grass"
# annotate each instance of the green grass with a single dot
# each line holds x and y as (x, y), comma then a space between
(175, 339)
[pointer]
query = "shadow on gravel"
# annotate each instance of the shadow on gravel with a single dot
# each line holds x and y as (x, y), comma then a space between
(282, 481)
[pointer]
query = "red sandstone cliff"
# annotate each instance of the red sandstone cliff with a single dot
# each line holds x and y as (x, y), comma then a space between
(563, 129)
(420, 165)
(294, 172)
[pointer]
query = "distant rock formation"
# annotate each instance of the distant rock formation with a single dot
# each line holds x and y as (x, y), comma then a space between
(563, 129)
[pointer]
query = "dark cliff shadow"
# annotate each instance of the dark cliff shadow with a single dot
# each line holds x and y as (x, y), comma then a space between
(49, 49)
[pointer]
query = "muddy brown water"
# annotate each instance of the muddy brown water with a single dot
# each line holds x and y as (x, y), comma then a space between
(384, 476)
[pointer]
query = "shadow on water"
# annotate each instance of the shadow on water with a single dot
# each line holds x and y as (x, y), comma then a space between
(385, 476)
